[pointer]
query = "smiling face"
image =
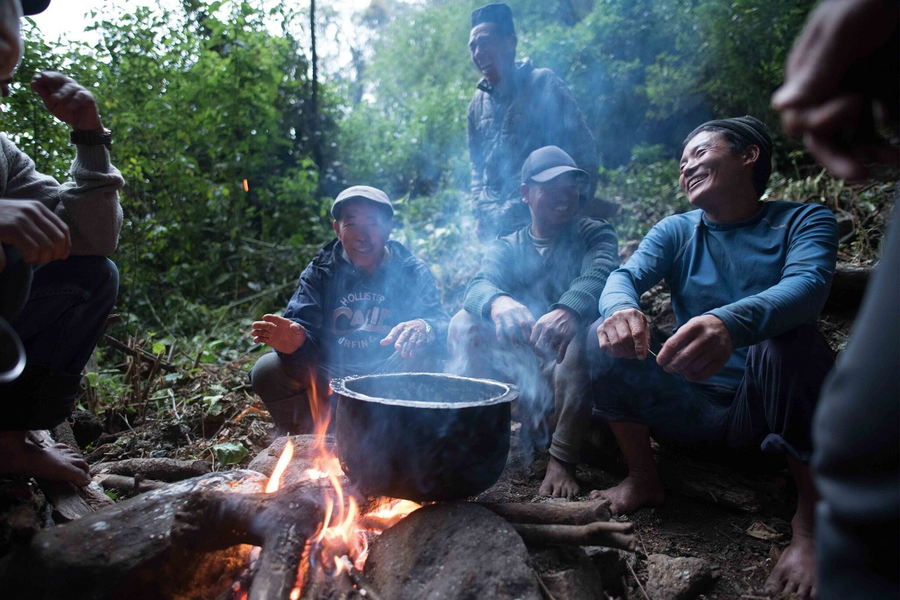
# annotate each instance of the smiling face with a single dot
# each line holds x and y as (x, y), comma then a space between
(712, 173)
(494, 54)
(363, 230)
(552, 204)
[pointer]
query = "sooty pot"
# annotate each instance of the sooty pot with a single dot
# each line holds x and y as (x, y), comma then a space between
(422, 436)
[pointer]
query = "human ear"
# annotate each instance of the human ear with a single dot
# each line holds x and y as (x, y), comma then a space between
(337, 228)
(751, 155)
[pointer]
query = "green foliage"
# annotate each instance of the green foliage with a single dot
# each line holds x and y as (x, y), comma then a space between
(228, 453)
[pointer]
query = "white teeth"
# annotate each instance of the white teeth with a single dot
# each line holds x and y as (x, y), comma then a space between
(695, 180)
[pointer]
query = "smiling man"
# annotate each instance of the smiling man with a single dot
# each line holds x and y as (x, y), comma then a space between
(527, 310)
(516, 110)
(745, 364)
(365, 305)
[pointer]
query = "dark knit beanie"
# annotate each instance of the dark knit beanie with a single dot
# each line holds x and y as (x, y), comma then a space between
(500, 14)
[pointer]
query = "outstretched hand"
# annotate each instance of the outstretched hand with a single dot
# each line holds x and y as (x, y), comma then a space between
(625, 334)
(278, 333)
(698, 350)
(408, 337)
(513, 321)
(67, 100)
(38, 233)
(554, 332)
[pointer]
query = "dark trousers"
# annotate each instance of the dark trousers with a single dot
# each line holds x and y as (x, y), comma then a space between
(62, 316)
(770, 410)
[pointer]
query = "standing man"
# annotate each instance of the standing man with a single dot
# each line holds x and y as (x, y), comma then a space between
(516, 110)
(364, 305)
(745, 365)
(527, 310)
(57, 285)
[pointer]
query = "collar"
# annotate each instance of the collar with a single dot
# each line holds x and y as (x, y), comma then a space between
(760, 214)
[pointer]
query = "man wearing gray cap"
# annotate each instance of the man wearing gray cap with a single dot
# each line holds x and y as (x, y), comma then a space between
(364, 305)
(516, 110)
(745, 364)
(528, 308)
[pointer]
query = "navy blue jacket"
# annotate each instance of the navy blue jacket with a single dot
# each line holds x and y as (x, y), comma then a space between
(347, 312)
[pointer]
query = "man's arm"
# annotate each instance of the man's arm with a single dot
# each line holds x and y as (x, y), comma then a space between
(802, 291)
(649, 265)
(476, 158)
(492, 279)
(306, 305)
(89, 205)
(600, 259)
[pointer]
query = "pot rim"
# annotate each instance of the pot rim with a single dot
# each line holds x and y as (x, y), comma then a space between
(508, 392)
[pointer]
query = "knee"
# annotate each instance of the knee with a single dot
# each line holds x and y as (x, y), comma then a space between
(799, 349)
(263, 374)
(15, 283)
(107, 281)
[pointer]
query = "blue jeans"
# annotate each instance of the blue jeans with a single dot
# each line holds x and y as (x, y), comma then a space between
(771, 410)
(63, 315)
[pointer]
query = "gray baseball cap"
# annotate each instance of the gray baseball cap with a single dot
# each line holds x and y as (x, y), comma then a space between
(361, 192)
(548, 163)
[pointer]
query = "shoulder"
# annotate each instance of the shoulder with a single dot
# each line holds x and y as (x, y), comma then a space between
(793, 215)
(591, 226)
(401, 257)
(324, 260)
(678, 225)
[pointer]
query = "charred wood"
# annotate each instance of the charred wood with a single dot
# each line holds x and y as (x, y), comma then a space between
(611, 535)
(162, 469)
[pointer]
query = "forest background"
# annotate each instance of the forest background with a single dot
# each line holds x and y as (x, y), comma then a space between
(234, 134)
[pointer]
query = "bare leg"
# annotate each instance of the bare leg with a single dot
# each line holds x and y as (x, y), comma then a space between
(796, 569)
(559, 482)
(642, 486)
(20, 457)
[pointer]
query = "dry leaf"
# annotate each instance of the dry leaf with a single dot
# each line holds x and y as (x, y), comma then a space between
(761, 531)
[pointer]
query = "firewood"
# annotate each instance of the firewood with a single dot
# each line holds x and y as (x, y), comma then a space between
(554, 513)
(162, 469)
(127, 485)
(611, 535)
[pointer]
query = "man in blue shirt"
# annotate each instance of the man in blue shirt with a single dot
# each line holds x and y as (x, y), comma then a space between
(745, 364)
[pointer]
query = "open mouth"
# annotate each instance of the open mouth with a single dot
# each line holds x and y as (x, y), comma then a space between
(696, 180)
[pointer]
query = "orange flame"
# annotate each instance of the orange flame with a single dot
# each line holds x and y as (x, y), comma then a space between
(275, 480)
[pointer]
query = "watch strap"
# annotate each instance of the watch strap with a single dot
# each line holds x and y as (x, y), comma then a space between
(91, 138)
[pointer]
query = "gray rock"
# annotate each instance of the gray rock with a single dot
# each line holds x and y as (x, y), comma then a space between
(677, 578)
(610, 564)
(452, 551)
(567, 572)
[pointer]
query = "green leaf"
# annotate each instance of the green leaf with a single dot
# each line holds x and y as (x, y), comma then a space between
(228, 453)
(158, 348)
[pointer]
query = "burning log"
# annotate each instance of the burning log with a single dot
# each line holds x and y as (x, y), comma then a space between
(163, 469)
(555, 513)
(612, 535)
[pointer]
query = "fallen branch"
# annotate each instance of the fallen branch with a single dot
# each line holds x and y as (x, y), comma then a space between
(162, 469)
(553, 513)
(147, 356)
(611, 535)
(127, 485)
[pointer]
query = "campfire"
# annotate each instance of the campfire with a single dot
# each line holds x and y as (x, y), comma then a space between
(303, 534)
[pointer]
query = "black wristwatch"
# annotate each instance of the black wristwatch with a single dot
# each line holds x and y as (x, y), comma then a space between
(88, 137)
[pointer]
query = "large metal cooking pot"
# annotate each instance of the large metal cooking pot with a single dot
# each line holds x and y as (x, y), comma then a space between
(422, 436)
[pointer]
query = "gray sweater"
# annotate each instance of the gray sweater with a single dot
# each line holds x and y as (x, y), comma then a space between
(89, 204)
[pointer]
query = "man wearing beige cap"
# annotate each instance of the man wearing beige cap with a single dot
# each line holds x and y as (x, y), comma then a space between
(364, 305)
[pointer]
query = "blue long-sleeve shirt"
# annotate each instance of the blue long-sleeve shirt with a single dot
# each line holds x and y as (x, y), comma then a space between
(762, 276)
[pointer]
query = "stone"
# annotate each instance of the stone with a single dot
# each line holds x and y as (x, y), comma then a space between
(451, 551)
(567, 572)
(610, 564)
(681, 578)
(86, 428)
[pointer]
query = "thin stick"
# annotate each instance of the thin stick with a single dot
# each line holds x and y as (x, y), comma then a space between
(365, 590)
(544, 589)
(633, 574)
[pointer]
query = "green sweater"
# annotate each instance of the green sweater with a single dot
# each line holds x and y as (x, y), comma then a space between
(571, 274)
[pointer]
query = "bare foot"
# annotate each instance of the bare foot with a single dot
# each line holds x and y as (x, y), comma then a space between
(795, 572)
(559, 482)
(633, 493)
(21, 457)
